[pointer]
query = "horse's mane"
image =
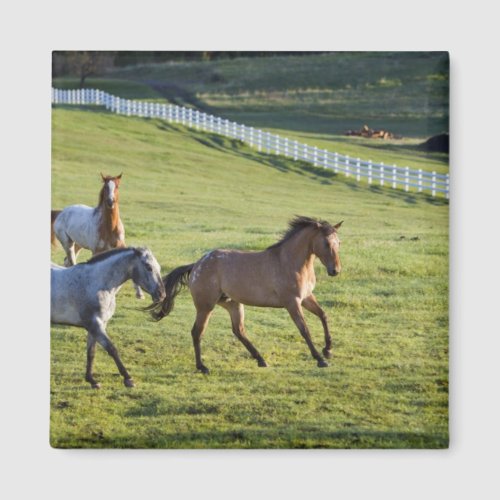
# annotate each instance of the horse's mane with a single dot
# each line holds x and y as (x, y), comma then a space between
(110, 253)
(300, 222)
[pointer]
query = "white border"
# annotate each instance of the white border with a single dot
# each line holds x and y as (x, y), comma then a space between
(31, 467)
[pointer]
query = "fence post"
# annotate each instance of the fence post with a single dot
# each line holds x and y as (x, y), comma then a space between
(394, 177)
(347, 173)
(286, 146)
(335, 162)
(295, 150)
(117, 105)
(419, 180)
(325, 158)
(259, 140)
(369, 171)
(358, 169)
(381, 173)
(315, 156)
(433, 183)
(447, 186)
(251, 137)
(305, 152)
(407, 179)
(277, 141)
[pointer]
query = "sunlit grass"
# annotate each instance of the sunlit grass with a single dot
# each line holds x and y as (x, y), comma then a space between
(185, 192)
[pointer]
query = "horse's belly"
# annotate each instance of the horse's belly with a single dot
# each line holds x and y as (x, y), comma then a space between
(65, 316)
(252, 294)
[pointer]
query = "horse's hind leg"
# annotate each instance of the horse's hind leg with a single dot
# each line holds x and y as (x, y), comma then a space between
(237, 313)
(89, 375)
(72, 254)
(295, 311)
(69, 247)
(311, 304)
(100, 336)
(200, 324)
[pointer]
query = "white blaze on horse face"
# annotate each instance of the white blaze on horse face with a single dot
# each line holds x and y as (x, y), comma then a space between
(110, 186)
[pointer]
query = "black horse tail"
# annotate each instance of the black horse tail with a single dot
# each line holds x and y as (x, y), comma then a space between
(174, 282)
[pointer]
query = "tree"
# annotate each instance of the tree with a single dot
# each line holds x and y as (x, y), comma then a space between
(82, 63)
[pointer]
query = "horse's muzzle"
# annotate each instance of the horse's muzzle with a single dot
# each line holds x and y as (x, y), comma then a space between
(333, 272)
(159, 295)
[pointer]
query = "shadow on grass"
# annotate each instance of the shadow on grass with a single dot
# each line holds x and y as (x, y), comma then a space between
(287, 165)
(241, 438)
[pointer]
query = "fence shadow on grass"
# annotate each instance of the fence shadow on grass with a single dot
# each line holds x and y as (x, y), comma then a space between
(285, 165)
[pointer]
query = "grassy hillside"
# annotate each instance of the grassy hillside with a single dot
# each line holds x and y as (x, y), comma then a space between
(314, 99)
(403, 91)
(185, 192)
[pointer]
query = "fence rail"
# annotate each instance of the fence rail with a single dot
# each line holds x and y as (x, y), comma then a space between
(374, 173)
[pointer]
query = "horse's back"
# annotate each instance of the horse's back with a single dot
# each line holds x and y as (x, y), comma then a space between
(246, 277)
(79, 223)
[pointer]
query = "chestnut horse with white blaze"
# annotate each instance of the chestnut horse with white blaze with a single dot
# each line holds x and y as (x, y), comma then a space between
(97, 229)
(281, 276)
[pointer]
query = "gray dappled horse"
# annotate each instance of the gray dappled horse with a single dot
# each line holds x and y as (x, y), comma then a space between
(84, 295)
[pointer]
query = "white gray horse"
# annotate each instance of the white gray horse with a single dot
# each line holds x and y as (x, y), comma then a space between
(84, 295)
(98, 229)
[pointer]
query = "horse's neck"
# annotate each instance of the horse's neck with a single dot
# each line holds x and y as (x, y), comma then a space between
(110, 217)
(297, 251)
(110, 274)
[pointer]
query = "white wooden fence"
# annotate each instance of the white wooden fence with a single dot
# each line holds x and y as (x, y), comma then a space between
(374, 173)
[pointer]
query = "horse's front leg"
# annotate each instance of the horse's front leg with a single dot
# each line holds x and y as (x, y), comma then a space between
(296, 313)
(100, 335)
(311, 304)
(138, 291)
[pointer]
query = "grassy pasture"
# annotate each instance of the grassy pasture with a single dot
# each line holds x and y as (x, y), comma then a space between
(313, 99)
(186, 192)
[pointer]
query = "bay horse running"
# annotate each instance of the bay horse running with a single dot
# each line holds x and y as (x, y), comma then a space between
(85, 295)
(281, 276)
(97, 229)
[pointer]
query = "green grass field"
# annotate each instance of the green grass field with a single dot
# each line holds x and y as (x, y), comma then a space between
(185, 192)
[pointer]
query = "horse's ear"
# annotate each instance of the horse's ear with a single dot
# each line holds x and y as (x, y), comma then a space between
(119, 176)
(102, 177)
(338, 225)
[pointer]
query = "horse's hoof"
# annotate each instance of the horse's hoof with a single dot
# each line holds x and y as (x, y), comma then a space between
(204, 370)
(327, 353)
(322, 363)
(139, 296)
(96, 385)
(262, 363)
(129, 382)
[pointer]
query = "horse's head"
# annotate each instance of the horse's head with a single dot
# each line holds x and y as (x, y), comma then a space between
(326, 245)
(110, 189)
(147, 274)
